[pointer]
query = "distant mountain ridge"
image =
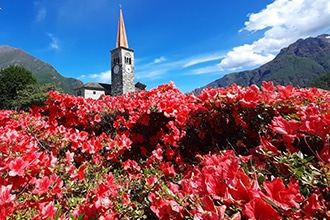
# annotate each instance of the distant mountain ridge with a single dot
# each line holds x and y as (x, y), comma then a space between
(299, 64)
(44, 72)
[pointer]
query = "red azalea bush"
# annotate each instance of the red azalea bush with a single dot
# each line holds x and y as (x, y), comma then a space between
(228, 153)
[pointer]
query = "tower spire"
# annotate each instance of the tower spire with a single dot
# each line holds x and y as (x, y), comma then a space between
(121, 34)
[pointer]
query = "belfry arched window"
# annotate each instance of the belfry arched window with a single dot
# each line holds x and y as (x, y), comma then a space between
(128, 59)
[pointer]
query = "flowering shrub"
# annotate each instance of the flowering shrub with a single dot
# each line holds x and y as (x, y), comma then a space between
(228, 153)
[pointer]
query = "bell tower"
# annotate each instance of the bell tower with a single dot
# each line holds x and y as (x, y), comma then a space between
(122, 63)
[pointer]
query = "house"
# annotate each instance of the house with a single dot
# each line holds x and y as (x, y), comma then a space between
(94, 90)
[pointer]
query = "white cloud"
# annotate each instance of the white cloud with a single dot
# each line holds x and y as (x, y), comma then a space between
(283, 22)
(202, 59)
(243, 56)
(41, 14)
(40, 9)
(151, 74)
(102, 77)
(54, 41)
(205, 70)
(186, 66)
(165, 67)
(159, 60)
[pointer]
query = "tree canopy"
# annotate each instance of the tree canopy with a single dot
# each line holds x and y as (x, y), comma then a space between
(13, 79)
(33, 95)
(20, 90)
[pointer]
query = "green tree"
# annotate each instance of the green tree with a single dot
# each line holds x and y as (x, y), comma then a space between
(33, 95)
(12, 80)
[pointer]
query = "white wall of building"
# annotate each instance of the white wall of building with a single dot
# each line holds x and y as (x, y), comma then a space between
(94, 94)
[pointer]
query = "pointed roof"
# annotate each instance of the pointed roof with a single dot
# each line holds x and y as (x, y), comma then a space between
(121, 34)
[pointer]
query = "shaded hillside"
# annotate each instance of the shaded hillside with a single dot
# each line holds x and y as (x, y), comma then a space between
(322, 82)
(44, 72)
(298, 64)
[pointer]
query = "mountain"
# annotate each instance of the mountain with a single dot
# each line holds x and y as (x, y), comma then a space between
(299, 64)
(44, 72)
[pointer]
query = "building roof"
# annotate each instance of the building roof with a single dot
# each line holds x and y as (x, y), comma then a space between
(91, 85)
(107, 88)
(140, 86)
(121, 34)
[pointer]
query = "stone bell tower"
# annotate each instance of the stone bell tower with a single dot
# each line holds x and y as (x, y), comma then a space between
(122, 63)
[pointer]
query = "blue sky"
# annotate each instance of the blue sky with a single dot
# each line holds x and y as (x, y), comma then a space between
(191, 43)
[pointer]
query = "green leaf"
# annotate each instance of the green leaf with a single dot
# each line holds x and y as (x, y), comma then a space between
(261, 180)
(81, 217)
(308, 159)
(305, 191)
(300, 171)
(58, 213)
(271, 203)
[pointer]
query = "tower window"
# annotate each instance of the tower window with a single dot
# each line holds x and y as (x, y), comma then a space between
(116, 60)
(128, 60)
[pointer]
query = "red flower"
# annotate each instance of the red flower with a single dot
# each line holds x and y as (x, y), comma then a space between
(69, 156)
(102, 201)
(224, 166)
(48, 210)
(285, 197)
(259, 209)
(5, 196)
(111, 216)
(268, 87)
(124, 141)
(311, 206)
(97, 118)
(42, 185)
(214, 185)
(289, 129)
(88, 147)
(81, 172)
(324, 154)
(17, 167)
(166, 209)
(111, 185)
(126, 199)
(210, 210)
(168, 169)
(151, 180)
(169, 153)
(244, 192)
(158, 154)
(130, 165)
(267, 146)
(250, 97)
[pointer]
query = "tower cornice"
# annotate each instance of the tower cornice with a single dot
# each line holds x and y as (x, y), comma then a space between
(125, 48)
